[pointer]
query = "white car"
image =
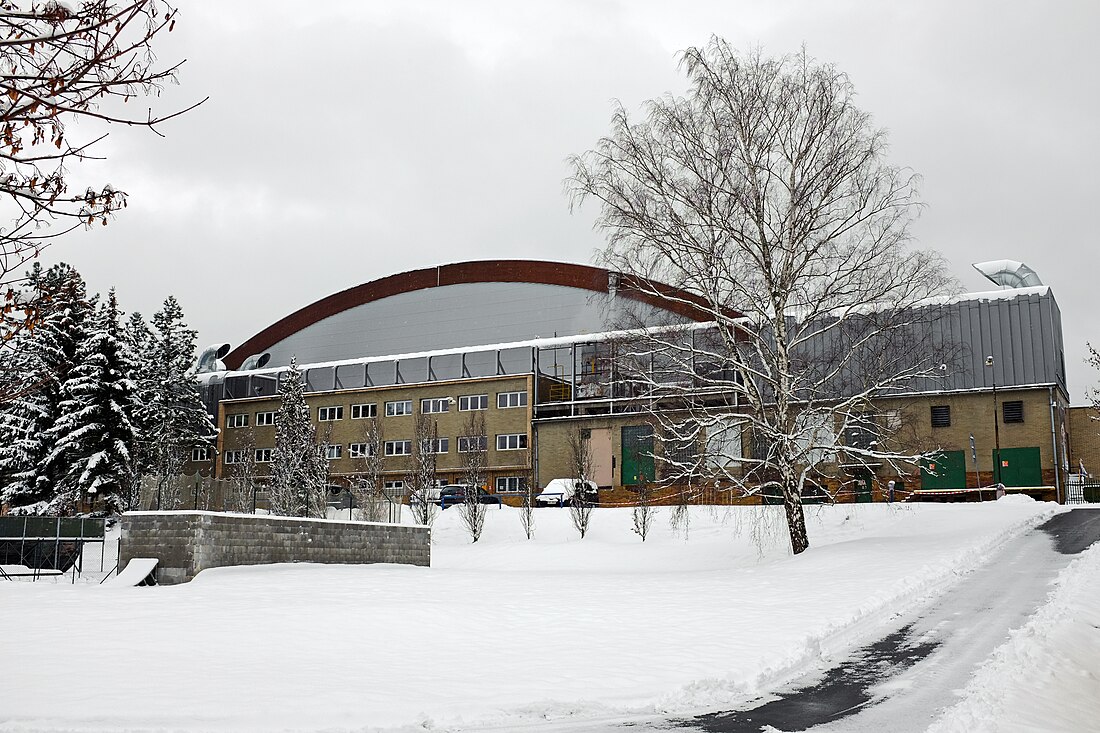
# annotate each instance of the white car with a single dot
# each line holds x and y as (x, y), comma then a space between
(560, 492)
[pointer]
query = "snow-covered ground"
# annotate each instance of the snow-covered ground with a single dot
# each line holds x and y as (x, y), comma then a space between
(507, 631)
(1046, 677)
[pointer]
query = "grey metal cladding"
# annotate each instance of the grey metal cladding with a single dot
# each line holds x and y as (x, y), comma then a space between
(1023, 334)
(452, 316)
(1020, 329)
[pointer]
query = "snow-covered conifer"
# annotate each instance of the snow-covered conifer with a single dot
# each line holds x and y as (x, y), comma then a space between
(298, 469)
(140, 345)
(92, 440)
(48, 354)
(171, 416)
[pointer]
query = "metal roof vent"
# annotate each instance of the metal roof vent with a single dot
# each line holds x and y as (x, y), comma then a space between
(256, 361)
(210, 358)
(1009, 273)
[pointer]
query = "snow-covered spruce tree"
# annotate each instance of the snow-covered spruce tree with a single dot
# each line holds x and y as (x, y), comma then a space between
(140, 345)
(21, 365)
(474, 461)
(764, 196)
(48, 353)
(93, 438)
(298, 474)
(171, 417)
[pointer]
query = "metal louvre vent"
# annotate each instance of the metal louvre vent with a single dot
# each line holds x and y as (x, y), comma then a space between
(1013, 411)
(941, 416)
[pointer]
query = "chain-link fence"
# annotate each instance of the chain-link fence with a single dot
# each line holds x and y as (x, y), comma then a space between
(205, 493)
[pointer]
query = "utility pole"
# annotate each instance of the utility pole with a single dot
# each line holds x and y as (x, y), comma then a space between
(996, 425)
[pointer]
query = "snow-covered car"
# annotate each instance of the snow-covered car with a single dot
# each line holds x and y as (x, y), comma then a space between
(561, 492)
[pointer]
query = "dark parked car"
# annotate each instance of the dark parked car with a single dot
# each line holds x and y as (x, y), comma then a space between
(451, 495)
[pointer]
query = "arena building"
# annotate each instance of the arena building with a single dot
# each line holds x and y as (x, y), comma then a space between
(530, 346)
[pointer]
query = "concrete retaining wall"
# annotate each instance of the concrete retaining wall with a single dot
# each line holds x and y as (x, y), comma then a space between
(186, 542)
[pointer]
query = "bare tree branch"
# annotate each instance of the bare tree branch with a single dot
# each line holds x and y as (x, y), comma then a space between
(61, 64)
(764, 194)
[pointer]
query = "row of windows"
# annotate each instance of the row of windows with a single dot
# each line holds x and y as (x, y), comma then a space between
(504, 485)
(396, 408)
(1012, 411)
(466, 444)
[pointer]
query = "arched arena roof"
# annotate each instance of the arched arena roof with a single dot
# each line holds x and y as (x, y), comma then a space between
(466, 304)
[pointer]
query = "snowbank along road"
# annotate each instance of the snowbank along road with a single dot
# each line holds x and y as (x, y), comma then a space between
(905, 680)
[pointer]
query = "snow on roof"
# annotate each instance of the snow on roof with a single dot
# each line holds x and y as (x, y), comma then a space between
(1005, 294)
(541, 343)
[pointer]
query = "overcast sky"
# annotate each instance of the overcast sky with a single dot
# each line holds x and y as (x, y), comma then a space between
(346, 141)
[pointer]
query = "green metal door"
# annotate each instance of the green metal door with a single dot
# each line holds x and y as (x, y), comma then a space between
(1018, 467)
(946, 470)
(864, 488)
(637, 449)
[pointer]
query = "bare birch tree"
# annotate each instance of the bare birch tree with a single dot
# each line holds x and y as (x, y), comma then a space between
(580, 463)
(527, 505)
(62, 63)
(643, 511)
(368, 487)
(1093, 394)
(474, 462)
(764, 196)
(244, 475)
(420, 481)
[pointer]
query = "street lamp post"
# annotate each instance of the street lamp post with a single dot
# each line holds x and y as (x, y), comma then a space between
(996, 425)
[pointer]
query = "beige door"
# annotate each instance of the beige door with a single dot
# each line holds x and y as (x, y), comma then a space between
(600, 445)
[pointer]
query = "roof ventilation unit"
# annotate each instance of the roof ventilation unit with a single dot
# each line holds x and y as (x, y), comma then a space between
(1008, 273)
(256, 361)
(210, 358)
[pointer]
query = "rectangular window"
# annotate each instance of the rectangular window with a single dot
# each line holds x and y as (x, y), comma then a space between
(437, 445)
(358, 412)
(400, 407)
(399, 448)
(862, 431)
(239, 420)
(941, 416)
(200, 454)
(264, 455)
(326, 414)
(394, 487)
(472, 443)
(265, 418)
(509, 484)
(233, 456)
(724, 441)
(513, 441)
(891, 420)
(1013, 411)
(332, 452)
(427, 407)
(359, 450)
(468, 402)
(816, 436)
(511, 399)
(681, 449)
